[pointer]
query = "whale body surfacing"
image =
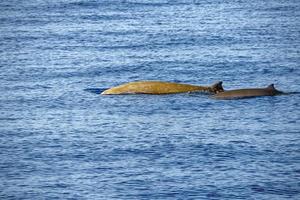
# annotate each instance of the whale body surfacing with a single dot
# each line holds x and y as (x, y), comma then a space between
(159, 87)
(248, 93)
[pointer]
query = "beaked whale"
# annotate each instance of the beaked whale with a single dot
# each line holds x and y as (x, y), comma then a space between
(160, 87)
(248, 93)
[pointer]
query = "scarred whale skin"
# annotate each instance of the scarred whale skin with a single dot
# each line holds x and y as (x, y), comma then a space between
(248, 93)
(159, 87)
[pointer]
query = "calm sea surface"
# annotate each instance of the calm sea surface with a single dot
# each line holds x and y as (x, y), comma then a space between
(60, 139)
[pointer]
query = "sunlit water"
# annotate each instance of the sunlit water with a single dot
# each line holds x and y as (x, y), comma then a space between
(60, 139)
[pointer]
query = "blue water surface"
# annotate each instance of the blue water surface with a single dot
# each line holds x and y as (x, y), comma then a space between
(60, 139)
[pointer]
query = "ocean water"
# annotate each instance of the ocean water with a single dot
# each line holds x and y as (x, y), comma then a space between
(60, 139)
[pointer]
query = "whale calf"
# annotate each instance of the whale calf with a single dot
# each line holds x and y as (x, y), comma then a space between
(159, 87)
(248, 93)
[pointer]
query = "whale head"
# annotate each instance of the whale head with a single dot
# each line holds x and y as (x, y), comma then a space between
(216, 88)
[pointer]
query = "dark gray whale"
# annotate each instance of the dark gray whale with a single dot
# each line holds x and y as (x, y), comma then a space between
(247, 93)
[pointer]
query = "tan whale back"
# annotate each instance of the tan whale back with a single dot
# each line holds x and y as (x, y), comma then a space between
(160, 87)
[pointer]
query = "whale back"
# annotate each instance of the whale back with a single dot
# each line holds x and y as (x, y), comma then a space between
(161, 87)
(247, 93)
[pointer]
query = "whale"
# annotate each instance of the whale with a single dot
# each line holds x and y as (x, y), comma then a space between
(160, 87)
(247, 93)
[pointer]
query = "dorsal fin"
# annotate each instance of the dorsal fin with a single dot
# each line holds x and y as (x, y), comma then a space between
(217, 84)
(217, 87)
(271, 87)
